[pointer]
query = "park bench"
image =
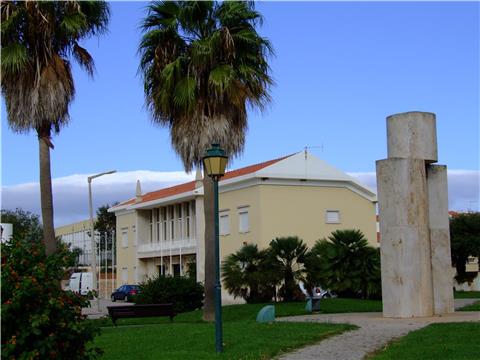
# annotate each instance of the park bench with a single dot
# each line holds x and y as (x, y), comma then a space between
(140, 310)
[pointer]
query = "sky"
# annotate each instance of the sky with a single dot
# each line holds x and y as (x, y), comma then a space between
(339, 69)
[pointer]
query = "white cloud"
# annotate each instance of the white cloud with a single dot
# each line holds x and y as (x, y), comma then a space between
(71, 192)
(463, 187)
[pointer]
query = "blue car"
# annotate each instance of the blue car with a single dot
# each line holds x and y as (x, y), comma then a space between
(125, 292)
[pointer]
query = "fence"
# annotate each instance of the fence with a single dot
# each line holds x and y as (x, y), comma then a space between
(80, 242)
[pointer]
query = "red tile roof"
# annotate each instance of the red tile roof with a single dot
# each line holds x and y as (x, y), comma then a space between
(190, 186)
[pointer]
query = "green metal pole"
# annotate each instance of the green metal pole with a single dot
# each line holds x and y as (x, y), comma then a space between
(218, 286)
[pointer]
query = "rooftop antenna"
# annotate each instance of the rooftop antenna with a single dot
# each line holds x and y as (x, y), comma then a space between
(312, 147)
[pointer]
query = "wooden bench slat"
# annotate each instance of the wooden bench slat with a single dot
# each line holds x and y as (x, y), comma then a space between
(140, 310)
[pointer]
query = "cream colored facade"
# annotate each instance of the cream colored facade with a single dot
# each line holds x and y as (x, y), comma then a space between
(77, 235)
(298, 195)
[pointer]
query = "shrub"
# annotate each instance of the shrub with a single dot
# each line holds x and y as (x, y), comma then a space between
(345, 264)
(288, 256)
(39, 319)
(248, 274)
(184, 292)
(465, 242)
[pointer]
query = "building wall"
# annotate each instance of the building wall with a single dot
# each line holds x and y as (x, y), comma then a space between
(301, 211)
(278, 211)
(126, 255)
(231, 203)
(73, 228)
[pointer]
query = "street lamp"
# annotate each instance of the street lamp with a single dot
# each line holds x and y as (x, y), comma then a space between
(92, 234)
(214, 163)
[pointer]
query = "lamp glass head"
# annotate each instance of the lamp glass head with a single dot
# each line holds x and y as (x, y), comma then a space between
(215, 162)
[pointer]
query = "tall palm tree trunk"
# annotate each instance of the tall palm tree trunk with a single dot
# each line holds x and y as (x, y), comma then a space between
(46, 197)
(209, 214)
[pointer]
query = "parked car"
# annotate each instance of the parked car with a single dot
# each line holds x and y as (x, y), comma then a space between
(125, 292)
(316, 293)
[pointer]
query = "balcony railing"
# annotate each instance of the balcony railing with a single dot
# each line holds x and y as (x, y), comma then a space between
(166, 246)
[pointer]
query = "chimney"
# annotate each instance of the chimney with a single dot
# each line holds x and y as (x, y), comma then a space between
(138, 192)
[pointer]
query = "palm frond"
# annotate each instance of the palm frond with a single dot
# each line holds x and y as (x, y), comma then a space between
(83, 58)
(14, 58)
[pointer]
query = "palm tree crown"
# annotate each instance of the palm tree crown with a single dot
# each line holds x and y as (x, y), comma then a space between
(346, 264)
(203, 64)
(247, 273)
(289, 255)
(38, 37)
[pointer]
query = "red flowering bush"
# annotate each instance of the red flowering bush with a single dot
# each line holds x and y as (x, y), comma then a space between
(39, 319)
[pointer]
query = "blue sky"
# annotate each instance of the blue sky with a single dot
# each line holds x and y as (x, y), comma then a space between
(340, 69)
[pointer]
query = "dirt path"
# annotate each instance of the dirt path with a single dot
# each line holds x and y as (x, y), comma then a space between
(374, 333)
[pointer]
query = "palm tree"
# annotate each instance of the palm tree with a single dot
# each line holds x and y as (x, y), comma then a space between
(38, 40)
(289, 255)
(247, 273)
(345, 264)
(203, 64)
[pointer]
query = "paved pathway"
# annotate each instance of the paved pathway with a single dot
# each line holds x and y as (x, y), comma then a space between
(93, 312)
(374, 332)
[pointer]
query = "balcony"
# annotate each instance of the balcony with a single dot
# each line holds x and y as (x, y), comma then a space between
(167, 248)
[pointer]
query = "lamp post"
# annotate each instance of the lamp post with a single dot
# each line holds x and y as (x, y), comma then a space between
(214, 163)
(92, 235)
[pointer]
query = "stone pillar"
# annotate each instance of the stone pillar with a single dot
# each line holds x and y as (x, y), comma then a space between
(413, 209)
(440, 239)
(412, 135)
(404, 244)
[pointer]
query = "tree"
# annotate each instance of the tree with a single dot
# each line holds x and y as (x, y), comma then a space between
(106, 221)
(345, 264)
(39, 319)
(465, 242)
(203, 63)
(38, 40)
(247, 273)
(105, 225)
(26, 225)
(289, 255)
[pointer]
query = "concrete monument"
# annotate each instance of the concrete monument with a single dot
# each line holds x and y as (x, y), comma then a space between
(414, 227)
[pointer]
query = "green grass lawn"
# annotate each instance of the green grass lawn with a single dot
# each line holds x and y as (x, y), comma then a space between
(452, 341)
(243, 339)
(249, 311)
(473, 307)
(188, 335)
(467, 294)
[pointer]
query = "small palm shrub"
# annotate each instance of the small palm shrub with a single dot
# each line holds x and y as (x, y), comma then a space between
(345, 264)
(184, 292)
(39, 319)
(249, 274)
(288, 256)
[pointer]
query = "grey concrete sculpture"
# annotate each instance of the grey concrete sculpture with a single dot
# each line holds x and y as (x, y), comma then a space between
(413, 213)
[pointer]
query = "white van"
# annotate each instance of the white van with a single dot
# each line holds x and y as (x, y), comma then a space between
(81, 282)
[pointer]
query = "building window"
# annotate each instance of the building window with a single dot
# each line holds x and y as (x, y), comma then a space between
(161, 270)
(134, 231)
(125, 237)
(176, 270)
(171, 215)
(243, 221)
(224, 223)
(179, 213)
(186, 219)
(163, 215)
(124, 275)
(151, 226)
(332, 217)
